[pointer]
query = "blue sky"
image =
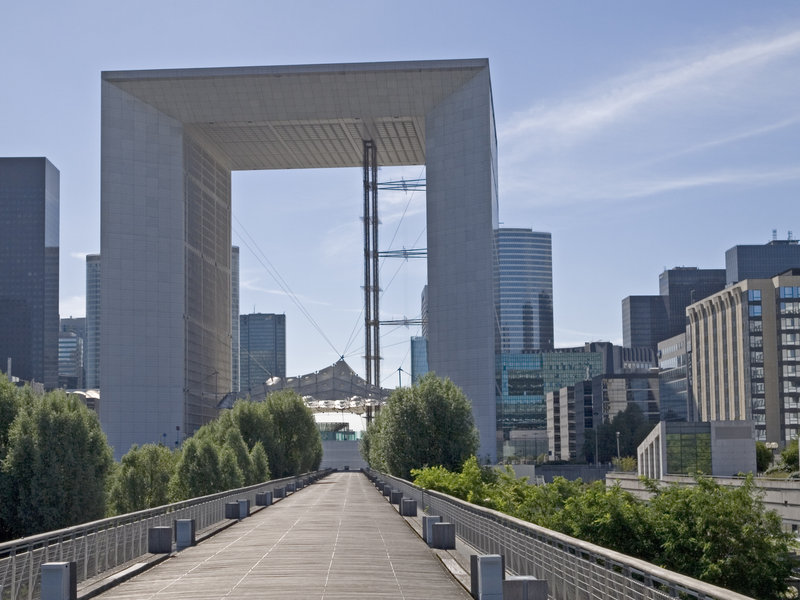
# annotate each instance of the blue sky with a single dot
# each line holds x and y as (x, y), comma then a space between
(643, 135)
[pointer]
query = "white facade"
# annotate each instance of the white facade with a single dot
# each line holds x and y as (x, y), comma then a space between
(169, 142)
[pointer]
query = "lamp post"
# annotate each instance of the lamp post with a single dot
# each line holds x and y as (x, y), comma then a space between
(618, 457)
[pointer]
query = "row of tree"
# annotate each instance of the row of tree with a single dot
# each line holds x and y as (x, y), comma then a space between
(720, 535)
(429, 423)
(57, 469)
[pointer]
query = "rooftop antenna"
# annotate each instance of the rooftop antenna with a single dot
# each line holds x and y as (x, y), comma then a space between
(774, 235)
(789, 237)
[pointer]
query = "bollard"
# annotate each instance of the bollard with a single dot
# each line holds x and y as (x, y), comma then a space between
(290, 487)
(524, 588)
(59, 581)
(159, 540)
(387, 489)
(279, 492)
(408, 507)
(395, 497)
(184, 533)
(264, 499)
(427, 524)
(300, 484)
(486, 576)
(244, 509)
(231, 510)
(444, 536)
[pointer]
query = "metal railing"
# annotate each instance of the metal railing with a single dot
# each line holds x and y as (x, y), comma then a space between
(103, 545)
(574, 569)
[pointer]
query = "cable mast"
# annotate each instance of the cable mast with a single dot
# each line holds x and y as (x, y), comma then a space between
(372, 352)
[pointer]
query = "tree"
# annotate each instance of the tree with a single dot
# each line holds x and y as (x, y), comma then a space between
(198, 471)
(723, 536)
(295, 445)
(790, 456)
(260, 462)
(428, 424)
(56, 466)
(763, 457)
(142, 478)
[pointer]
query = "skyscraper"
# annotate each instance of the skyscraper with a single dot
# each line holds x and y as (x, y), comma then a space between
(92, 321)
(525, 288)
(72, 353)
(761, 261)
(29, 252)
(262, 350)
(648, 320)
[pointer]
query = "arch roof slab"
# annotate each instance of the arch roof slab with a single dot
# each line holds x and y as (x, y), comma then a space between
(306, 116)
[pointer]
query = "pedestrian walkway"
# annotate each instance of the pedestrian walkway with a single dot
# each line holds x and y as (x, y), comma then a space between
(338, 538)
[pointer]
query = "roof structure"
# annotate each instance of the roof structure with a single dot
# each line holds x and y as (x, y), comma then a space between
(336, 386)
(307, 116)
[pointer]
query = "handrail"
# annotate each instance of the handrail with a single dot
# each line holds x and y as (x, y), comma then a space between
(102, 545)
(574, 568)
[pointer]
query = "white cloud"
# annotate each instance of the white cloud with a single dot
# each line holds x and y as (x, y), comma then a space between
(656, 83)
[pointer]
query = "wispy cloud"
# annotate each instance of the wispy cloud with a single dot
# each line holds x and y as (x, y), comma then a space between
(254, 285)
(707, 118)
(618, 98)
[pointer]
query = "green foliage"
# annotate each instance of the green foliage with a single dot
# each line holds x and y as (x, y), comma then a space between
(720, 535)
(790, 457)
(763, 457)
(56, 464)
(723, 536)
(427, 424)
(142, 478)
(198, 470)
(295, 445)
(626, 464)
(260, 464)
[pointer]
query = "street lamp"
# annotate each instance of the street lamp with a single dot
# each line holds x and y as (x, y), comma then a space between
(618, 457)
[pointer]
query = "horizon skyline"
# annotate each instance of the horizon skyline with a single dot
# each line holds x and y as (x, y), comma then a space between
(640, 137)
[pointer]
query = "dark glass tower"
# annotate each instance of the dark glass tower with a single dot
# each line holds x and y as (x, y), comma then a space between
(262, 350)
(29, 198)
(525, 290)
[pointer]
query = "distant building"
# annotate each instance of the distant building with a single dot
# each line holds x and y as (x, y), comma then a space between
(235, 319)
(647, 320)
(761, 261)
(617, 360)
(717, 448)
(744, 356)
(29, 254)
(70, 360)
(525, 290)
(262, 350)
(419, 357)
(71, 368)
(92, 364)
(523, 381)
(673, 380)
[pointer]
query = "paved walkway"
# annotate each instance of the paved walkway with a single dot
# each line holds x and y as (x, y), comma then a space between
(338, 538)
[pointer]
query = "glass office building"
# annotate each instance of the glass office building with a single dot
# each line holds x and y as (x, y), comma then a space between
(525, 290)
(262, 350)
(523, 381)
(29, 253)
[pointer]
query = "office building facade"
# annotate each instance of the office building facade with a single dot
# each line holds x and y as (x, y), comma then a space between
(70, 360)
(170, 140)
(744, 356)
(262, 351)
(647, 320)
(524, 290)
(419, 357)
(93, 321)
(761, 261)
(29, 254)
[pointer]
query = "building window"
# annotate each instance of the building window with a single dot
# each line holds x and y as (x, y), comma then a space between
(790, 292)
(754, 295)
(755, 310)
